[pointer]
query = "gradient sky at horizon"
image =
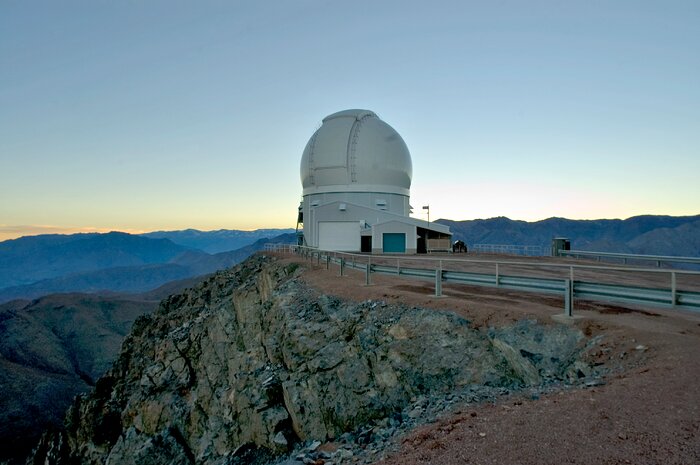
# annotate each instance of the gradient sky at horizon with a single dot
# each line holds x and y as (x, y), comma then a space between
(148, 115)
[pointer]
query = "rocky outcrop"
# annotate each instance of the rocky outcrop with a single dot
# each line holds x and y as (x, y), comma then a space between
(254, 359)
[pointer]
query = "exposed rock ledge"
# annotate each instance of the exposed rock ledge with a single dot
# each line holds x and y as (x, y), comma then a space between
(253, 357)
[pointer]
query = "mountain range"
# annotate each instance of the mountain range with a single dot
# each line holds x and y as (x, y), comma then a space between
(39, 265)
(647, 234)
(213, 242)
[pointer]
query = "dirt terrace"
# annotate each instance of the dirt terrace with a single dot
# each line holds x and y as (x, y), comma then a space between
(647, 412)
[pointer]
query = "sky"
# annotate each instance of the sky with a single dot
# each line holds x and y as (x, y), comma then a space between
(161, 115)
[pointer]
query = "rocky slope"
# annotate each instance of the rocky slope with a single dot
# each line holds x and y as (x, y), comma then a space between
(55, 347)
(254, 360)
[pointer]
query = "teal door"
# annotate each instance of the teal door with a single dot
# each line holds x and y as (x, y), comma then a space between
(394, 243)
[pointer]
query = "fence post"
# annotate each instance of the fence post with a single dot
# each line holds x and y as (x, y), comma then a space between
(438, 280)
(342, 266)
(328, 262)
(674, 297)
(368, 279)
(568, 298)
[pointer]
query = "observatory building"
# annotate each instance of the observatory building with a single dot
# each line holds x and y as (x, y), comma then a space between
(356, 174)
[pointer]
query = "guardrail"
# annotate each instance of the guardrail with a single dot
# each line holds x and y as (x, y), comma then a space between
(512, 249)
(273, 247)
(569, 288)
(659, 259)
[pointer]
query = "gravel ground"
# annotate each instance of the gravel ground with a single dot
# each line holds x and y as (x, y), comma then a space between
(645, 410)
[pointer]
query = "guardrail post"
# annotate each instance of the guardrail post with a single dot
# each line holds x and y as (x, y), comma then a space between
(568, 298)
(398, 267)
(328, 262)
(368, 273)
(674, 297)
(498, 276)
(438, 280)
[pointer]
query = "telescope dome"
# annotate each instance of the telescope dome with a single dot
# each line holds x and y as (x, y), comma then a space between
(355, 151)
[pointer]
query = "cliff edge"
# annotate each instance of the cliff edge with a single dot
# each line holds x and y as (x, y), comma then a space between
(254, 359)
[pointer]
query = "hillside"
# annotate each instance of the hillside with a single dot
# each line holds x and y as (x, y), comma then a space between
(253, 362)
(56, 347)
(50, 350)
(280, 356)
(648, 234)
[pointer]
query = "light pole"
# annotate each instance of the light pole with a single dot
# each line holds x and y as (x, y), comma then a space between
(427, 207)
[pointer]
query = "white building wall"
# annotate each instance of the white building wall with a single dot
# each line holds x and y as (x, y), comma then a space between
(328, 210)
(368, 220)
(343, 236)
(394, 203)
(378, 231)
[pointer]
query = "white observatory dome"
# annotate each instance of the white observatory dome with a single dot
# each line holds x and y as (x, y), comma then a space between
(355, 151)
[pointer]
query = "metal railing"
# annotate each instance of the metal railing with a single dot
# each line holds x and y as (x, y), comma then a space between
(625, 257)
(578, 281)
(511, 249)
(284, 248)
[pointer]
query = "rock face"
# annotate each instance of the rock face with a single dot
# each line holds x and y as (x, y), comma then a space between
(252, 358)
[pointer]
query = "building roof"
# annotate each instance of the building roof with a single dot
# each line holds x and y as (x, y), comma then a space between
(383, 217)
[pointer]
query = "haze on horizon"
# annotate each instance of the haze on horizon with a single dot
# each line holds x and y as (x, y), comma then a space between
(141, 116)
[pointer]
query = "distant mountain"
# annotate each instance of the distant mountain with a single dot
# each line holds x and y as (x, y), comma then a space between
(212, 242)
(669, 241)
(89, 273)
(34, 258)
(648, 234)
(52, 349)
(119, 279)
